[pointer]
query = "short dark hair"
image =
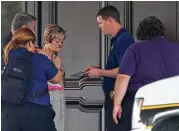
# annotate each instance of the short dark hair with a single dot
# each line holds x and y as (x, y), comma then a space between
(149, 28)
(109, 11)
(20, 19)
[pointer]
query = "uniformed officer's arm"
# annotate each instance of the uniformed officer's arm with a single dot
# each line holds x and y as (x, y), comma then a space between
(110, 72)
(97, 72)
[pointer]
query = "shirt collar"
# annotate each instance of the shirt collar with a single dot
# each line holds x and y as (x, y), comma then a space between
(156, 39)
(19, 50)
(118, 34)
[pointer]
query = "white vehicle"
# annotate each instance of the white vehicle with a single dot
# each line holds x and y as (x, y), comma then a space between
(156, 106)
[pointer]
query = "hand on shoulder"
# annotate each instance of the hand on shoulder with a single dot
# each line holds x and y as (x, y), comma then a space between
(57, 61)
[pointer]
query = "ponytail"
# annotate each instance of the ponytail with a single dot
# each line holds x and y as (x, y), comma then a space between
(10, 46)
(21, 38)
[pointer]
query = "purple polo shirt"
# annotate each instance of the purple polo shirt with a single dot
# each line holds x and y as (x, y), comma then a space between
(149, 61)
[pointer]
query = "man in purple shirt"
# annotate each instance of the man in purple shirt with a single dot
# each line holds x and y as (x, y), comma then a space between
(152, 59)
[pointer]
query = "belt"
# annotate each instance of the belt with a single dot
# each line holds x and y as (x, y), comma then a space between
(128, 95)
(110, 94)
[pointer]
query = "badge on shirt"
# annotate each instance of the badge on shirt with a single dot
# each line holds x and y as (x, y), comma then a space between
(111, 48)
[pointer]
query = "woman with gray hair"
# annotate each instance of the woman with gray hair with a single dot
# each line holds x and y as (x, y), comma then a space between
(54, 37)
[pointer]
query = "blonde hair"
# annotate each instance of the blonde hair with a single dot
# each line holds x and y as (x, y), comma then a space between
(52, 31)
(21, 37)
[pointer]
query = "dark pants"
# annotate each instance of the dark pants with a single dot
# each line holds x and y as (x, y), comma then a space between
(124, 123)
(27, 117)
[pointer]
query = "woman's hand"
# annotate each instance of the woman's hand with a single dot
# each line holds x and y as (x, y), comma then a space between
(57, 61)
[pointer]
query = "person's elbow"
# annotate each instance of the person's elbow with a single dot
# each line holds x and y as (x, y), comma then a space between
(58, 78)
(123, 78)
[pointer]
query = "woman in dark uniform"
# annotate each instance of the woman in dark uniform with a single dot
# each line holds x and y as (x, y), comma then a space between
(35, 114)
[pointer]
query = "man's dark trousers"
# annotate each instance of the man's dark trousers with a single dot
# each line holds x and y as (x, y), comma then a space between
(124, 123)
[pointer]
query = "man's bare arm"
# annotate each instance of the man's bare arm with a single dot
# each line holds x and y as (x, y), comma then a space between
(110, 73)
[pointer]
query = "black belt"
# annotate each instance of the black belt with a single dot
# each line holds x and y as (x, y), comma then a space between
(110, 94)
(39, 94)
